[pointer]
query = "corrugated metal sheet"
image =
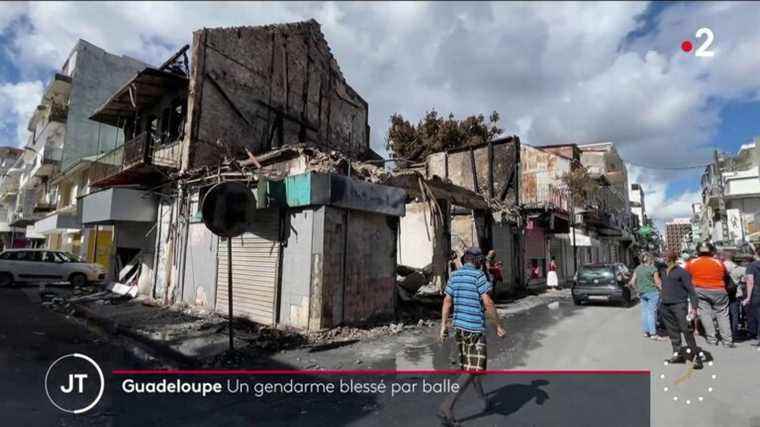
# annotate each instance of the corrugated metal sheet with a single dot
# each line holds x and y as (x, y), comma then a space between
(255, 265)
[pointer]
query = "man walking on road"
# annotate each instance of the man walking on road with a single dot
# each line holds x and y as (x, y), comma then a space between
(708, 276)
(647, 281)
(752, 278)
(468, 291)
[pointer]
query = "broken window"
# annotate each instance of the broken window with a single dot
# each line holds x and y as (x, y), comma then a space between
(152, 123)
(177, 119)
(165, 125)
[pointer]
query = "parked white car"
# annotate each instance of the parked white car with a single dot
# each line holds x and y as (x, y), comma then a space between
(45, 265)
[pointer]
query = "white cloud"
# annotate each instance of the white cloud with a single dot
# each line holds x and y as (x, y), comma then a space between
(17, 103)
(658, 206)
(557, 73)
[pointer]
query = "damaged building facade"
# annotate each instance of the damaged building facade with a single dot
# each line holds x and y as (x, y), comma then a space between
(269, 107)
(573, 230)
(275, 92)
(474, 204)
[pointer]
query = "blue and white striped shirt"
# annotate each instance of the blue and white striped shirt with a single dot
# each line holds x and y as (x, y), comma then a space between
(466, 286)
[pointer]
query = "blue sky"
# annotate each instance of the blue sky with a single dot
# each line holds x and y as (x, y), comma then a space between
(556, 72)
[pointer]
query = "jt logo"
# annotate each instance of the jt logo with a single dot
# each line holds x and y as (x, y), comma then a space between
(80, 383)
(79, 393)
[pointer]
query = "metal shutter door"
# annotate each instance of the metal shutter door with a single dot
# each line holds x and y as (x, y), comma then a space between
(255, 265)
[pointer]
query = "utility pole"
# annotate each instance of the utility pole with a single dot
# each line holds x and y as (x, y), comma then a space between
(572, 222)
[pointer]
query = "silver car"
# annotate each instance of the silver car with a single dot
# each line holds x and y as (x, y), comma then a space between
(45, 265)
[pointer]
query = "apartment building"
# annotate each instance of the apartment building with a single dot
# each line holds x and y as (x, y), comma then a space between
(9, 178)
(62, 144)
(731, 197)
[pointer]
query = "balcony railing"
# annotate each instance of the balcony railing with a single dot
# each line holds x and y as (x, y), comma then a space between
(107, 165)
(146, 149)
(150, 149)
(546, 196)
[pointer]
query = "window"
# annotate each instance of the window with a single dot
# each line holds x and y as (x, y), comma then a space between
(152, 122)
(165, 114)
(177, 119)
(50, 257)
(590, 273)
(26, 256)
(68, 257)
(7, 255)
(129, 130)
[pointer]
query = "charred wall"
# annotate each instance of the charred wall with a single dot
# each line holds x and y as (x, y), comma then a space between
(476, 169)
(263, 87)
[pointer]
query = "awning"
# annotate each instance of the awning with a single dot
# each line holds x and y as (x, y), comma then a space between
(6, 228)
(581, 239)
(22, 222)
(552, 221)
(457, 195)
(138, 94)
(32, 233)
(115, 205)
(57, 223)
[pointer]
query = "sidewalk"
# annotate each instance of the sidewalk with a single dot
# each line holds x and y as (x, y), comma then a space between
(189, 337)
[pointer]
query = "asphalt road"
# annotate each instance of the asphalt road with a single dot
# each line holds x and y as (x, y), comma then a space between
(563, 337)
(31, 338)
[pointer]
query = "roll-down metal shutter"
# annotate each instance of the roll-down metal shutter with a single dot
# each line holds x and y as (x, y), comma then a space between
(255, 265)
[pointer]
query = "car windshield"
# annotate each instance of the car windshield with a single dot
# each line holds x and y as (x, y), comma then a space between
(591, 273)
(68, 257)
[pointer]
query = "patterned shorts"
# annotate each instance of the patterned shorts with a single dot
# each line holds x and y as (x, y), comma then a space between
(472, 350)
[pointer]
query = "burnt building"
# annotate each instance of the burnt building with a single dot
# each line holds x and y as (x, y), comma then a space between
(479, 208)
(320, 249)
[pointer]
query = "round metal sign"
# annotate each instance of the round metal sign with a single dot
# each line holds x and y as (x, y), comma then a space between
(228, 208)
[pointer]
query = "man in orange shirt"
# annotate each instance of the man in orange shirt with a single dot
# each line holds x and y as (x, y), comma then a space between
(708, 277)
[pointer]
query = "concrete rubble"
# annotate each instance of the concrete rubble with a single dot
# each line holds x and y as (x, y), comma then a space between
(190, 336)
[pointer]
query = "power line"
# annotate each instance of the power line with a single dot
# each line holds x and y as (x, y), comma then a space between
(669, 168)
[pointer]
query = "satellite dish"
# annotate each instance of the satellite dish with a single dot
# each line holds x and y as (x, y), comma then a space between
(227, 209)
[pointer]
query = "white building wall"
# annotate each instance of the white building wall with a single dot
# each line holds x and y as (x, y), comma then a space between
(415, 237)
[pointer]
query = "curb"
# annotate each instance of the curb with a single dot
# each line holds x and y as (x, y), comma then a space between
(159, 349)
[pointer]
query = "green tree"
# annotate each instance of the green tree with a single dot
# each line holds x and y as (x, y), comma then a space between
(435, 133)
(580, 184)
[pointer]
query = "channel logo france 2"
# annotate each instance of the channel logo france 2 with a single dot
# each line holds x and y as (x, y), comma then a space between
(74, 383)
(704, 38)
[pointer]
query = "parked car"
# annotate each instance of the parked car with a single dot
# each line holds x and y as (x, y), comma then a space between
(36, 265)
(603, 282)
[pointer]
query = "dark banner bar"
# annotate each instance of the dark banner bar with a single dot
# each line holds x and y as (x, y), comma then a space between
(377, 398)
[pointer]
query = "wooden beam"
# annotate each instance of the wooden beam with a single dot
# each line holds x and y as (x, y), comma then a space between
(474, 171)
(490, 169)
(227, 98)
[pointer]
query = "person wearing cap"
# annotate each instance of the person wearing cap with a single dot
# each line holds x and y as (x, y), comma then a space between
(679, 302)
(708, 276)
(468, 293)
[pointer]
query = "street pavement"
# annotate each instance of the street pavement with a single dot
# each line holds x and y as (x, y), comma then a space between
(545, 336)
(31, 338)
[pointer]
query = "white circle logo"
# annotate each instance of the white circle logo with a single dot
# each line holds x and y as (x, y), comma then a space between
(690, 386)
(74, 383)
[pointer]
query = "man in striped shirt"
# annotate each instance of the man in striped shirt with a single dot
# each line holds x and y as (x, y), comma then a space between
(468, 291)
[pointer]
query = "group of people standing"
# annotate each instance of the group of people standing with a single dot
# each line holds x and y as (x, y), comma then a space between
(707, 288)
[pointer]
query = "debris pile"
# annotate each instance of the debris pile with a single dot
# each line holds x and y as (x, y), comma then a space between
(417, 285)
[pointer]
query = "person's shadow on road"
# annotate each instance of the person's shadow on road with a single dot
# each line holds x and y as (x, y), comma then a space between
(510, 398)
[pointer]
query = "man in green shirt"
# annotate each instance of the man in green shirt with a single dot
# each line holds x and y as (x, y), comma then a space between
(647, 280)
